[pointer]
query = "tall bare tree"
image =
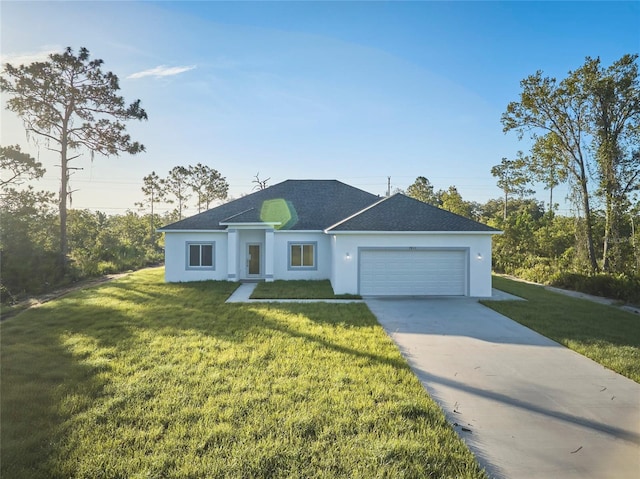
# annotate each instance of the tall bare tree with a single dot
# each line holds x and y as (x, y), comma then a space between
(260, 184)
(72, 105)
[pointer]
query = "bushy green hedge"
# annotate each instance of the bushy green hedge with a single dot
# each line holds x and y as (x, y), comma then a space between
(135, 258)
(623, 287)
(555, 272)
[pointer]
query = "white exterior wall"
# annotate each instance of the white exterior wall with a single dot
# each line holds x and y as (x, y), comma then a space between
(345, 250)
(332, 261)
(175, 256)
(232, 265)
(281, 255)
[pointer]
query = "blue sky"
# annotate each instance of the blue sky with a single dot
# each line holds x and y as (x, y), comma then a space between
(356, 91)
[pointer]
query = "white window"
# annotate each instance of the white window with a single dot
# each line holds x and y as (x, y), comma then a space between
(303, 255)
(200, 255)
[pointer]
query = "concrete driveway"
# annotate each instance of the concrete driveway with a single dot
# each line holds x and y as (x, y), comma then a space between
(526, 406)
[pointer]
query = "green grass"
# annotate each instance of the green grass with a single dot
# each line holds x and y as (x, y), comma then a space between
(606, 334)
(9, 310)
(281, 289)
(138, 378)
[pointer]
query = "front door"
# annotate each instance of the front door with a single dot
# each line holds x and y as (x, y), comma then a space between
(253, 260)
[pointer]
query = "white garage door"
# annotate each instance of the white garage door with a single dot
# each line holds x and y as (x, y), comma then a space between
(397, 272)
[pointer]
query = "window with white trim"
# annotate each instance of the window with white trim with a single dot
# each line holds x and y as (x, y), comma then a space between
(303, 255)
(200, 255)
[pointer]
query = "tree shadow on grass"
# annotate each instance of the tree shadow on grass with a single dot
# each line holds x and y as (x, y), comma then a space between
(343, 316)
(58, 384)
(56, 359)
(43, 384)
(199, 307)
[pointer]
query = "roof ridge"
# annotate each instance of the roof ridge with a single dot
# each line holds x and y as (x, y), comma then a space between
(237, 214)
(360, 212)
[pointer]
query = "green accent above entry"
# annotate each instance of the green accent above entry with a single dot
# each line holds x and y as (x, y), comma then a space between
(279, 211)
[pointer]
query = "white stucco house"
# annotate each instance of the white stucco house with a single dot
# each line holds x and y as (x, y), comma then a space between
(325, 229)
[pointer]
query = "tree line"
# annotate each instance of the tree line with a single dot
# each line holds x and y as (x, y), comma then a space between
(30, 240)
(539, 245)
(177, 188)
(97, 243)
(584, 130)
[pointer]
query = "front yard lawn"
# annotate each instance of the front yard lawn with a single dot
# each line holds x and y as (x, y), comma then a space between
(608, 335)
(138, 378)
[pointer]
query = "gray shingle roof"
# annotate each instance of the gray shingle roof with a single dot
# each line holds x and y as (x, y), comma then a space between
(295, 204)
(314, 205)
(401, 213)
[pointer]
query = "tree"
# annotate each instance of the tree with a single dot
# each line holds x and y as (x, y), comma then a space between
(545, 164)
(208, 184)
(177, 184)
(107, 244)
(512, 178)
(85, 248)
(152, 189)
(634, 217)
(260, 184)
(547, 106)
(17, 167)
(451, 200)
(71, 104)
(614, 121)
(422, 190)
(28, 242)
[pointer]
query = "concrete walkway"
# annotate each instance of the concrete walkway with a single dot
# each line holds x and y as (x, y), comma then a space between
(244, 291)
(243, 295)
(526, 406)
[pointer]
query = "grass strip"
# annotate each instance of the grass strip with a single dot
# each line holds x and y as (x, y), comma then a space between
(298, 289)
(138, 378)
(606, 334)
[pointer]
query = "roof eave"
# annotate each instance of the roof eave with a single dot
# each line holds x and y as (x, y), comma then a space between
(404, 232)
(264, 224)
(190, 230)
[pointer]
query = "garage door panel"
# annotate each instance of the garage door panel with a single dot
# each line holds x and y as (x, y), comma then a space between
(413, 272)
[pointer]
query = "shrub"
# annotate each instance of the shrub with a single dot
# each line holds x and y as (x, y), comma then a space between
(106, 267)
(538, 269)
(623, 287)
